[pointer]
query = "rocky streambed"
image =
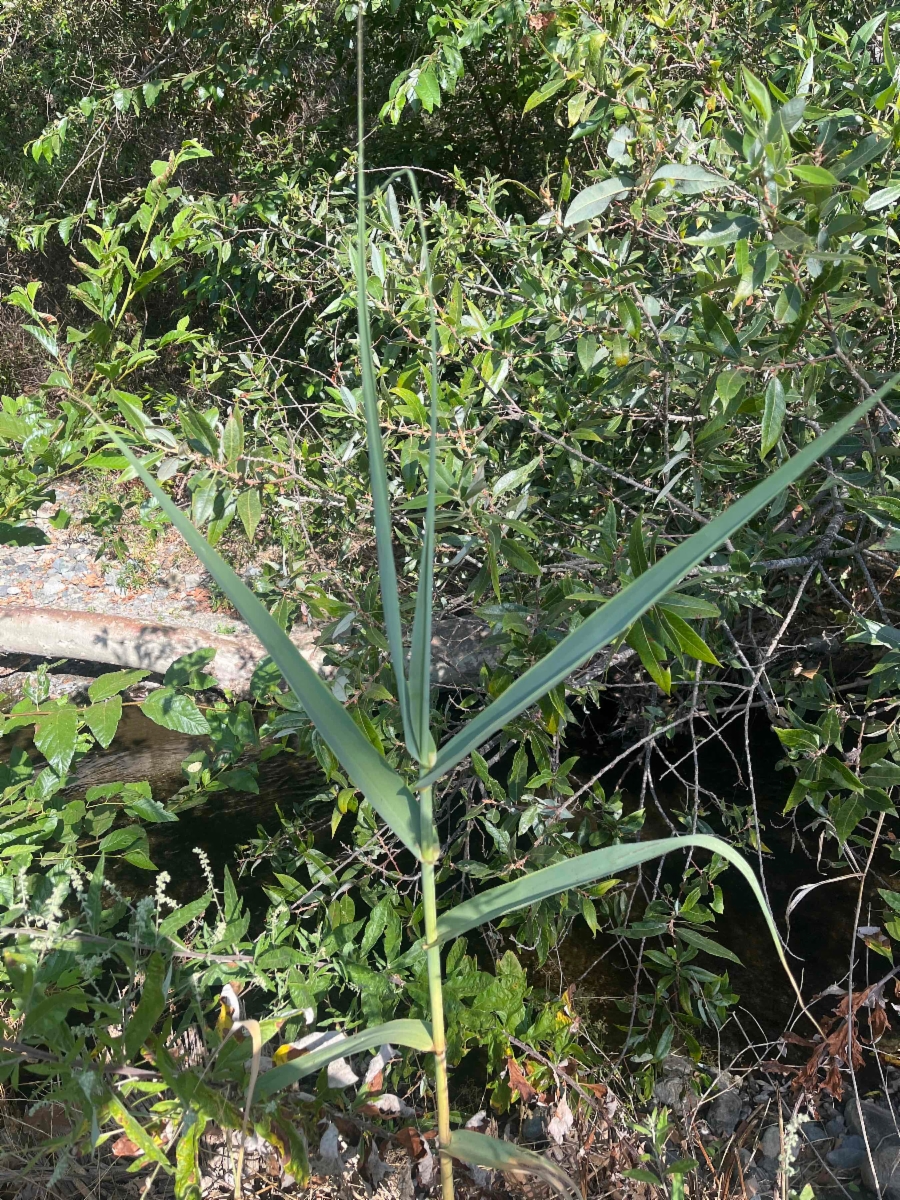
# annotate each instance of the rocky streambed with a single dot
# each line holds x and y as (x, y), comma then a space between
(769, 1139)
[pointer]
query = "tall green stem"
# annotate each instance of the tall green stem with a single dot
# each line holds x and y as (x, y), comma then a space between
(430, 852)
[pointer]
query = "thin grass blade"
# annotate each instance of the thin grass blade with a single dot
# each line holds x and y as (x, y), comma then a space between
(624, 609)
(370, 772)
(384, 544)
(479, 1150)
(414, 1034)
(252, 1027)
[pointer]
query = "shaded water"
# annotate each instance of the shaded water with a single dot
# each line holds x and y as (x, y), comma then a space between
(225, 820)
(820, 932)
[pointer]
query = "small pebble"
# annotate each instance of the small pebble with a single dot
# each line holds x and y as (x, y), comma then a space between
(767, 1167)
(836, 1126)
(770, 1142)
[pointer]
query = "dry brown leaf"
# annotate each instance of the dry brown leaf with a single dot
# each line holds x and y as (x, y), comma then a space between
(778, 1068)
(794, 1039)
(124, 1147)
(518, 1082)
(538, 21)
(878, 1022)
(600, 1090)
(414, 1142)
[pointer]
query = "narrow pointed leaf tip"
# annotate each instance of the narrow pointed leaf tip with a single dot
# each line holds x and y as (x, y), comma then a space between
(620, 613)
(384, 543)
(479, 1150)
(414, 1034)
(385, 790)
(419, 685)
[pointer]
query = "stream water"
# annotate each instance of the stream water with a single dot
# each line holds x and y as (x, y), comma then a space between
(821, 928)
(142, 750)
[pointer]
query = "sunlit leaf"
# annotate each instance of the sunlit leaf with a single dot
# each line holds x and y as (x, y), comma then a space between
(595, 200)
(624, 609)
(773, 416)
(55, 735)
(689, 178)
(173, 710)
(103, 719)
(479, 1150)
(382, 786)
(414, 1034)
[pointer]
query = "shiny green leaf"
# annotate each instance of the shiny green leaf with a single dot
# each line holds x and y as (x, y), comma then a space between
(719, 329)
(249, 509)
(103, 719)
(55, 735)
(113, 683)
(382, 786)
(173, 710)
(615, 617)
(595, 200)
(773, 416)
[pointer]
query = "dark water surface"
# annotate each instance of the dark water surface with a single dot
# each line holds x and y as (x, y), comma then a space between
(820, 933)
(820, 929)
(225, 820)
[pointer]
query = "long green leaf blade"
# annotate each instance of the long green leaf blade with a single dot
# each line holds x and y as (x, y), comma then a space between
(624, 609)
(479, 1150)
(420, 647)
(387, 571)
(586, 869)
(415, 1034)
(370, 772)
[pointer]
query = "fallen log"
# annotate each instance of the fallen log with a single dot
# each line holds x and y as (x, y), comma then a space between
(458, 644)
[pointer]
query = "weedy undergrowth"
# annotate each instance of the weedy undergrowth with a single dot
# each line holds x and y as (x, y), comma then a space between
(404, 800)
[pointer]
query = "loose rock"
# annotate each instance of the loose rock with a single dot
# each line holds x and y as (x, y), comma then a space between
(534, 1128)
(886, 1163)
(770, 1142)
(879, 1122)
(848, 1155)
(812, 1131)
(881, 1172)
(724, 1113)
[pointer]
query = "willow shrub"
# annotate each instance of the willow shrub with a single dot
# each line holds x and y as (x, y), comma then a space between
(404, 799)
